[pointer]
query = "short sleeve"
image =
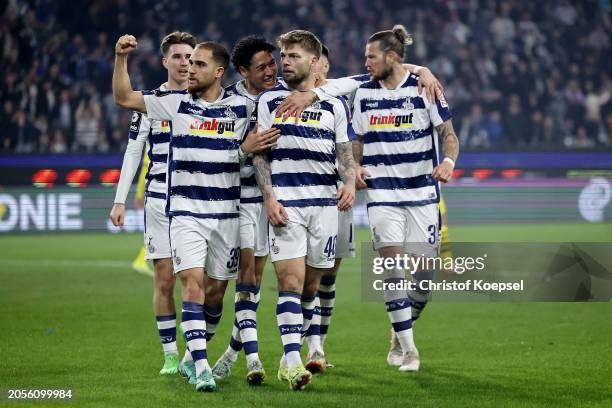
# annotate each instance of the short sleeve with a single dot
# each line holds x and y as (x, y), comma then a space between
(341, 120)
(162, 105)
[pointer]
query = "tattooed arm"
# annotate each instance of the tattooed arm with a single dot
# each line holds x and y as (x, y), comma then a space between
(346, 168)
(444, 171)
(263, 174)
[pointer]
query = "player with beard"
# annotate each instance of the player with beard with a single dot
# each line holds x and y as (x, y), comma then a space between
(203, 184)
(298, 184)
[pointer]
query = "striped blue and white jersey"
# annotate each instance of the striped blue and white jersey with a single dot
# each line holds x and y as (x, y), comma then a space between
(158, 134)
(400, 142)
(249, 192)
(203, 161)
(304, 162)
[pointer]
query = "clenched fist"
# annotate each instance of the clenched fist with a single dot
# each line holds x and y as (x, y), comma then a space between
(126, 44)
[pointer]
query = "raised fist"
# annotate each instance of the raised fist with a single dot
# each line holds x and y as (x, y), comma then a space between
(126, 44)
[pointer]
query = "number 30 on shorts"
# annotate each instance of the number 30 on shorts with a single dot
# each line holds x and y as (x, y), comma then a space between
(234, 257)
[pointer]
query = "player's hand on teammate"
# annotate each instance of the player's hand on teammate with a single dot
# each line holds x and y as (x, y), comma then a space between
(258, 141)
(443, 172)
(126, 44)
(295, 104)
(117, 214)
(430, 83)
(346, 197)
(362, 174)
(277, 215)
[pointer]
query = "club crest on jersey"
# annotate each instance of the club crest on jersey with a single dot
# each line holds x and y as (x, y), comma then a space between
(135, 124)
(407, 104)
(230, 114)
(212, 127)
(390, 121)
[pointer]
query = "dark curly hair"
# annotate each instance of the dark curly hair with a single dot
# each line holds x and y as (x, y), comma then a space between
(247, 47)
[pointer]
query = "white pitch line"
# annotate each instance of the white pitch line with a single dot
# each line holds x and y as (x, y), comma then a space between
(70, 263)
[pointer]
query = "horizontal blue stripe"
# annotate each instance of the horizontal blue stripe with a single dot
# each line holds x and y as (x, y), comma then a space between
(204, 167)
(217, 216)
(158, 138)
(192, 307)
(412, 80)
(394, 183)
(192, 109)
(153, 194)
(273, 104)
(445, 113)
(305, 131)
(307, 313)
(245, 305)
(397, 304)
(317, 310)
(328, 280)
(165, 318)
(287, 293)
(158, 158)
(206, 193)
(326, 311)
(250, 347)
(327, 295)
(403, 203)
(400, 158)
(161, 177)
(302, 154)
(396, 136)
(288, 307)
(171, 332)
(401, 326)
(303, 179)
(251, 200)
(248, 161)
(326, 106)
(288, 348)
(250, 181)
(370, 85)
(368, 104)
(313, 330)
(198, 355)
(324, 329)
(200, 142)
(361, 78)
(245, 287)
(310, 202)
(235, 344)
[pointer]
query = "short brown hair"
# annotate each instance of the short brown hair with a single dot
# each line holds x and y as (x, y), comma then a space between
(393, 40)
(177, 37)
(305, 39)
(219, 52)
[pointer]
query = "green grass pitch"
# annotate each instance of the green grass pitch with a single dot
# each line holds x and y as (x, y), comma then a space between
(74, 315)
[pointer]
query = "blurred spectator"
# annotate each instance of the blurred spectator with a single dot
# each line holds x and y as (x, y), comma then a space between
(87, 118)
(26, 134)
(58, 142)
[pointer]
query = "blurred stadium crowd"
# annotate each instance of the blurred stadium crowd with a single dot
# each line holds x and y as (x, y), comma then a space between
(519, 75)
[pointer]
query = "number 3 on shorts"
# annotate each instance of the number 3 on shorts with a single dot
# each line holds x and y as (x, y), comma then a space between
(234, 257)
(432, 234)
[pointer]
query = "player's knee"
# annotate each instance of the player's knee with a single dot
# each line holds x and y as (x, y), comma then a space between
(290, 283)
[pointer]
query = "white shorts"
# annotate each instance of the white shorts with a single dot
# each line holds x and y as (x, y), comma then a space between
(206, 242)
(416, 228)
(254, 228)
(311, 232)
(345, 246)
(156, 233)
